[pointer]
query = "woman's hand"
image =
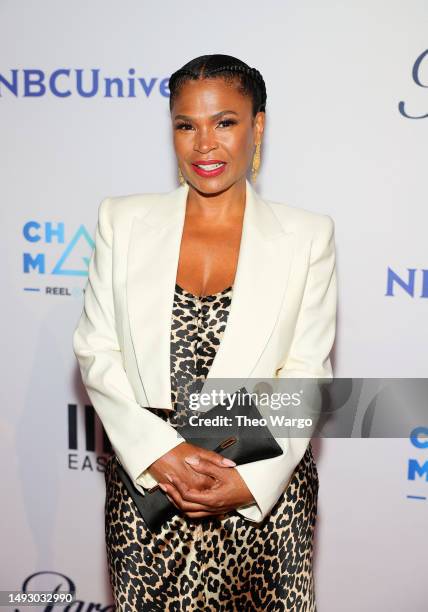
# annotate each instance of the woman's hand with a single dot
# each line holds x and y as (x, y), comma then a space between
(227, 491)
(174, 463)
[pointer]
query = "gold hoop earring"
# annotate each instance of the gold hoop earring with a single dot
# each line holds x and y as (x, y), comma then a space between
(256, 164)
(180, 176)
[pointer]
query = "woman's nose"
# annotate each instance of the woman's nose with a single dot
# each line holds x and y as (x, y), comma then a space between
(205, 141)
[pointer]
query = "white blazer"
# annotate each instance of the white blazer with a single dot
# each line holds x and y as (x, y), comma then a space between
(281, 323)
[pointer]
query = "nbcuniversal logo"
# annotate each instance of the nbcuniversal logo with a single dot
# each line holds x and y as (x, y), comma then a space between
(417, 280)
(84, 83)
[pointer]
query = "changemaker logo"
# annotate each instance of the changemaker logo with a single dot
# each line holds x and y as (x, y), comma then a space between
(49, 251)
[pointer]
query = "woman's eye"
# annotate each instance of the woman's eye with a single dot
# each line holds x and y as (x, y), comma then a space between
(179, 126)
(228, 122)
(187, 126)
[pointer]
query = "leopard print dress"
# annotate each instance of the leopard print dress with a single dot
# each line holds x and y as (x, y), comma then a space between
(218, 563)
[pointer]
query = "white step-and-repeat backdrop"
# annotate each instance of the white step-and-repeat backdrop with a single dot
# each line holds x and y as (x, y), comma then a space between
(84, 115)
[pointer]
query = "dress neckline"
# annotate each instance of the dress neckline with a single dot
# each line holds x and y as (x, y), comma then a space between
(202, 297)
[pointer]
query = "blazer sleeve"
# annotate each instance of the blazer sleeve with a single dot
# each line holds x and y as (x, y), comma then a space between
(137, 436)
(309, 357)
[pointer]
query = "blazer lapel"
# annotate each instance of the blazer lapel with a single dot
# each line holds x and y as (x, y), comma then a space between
(264, 262)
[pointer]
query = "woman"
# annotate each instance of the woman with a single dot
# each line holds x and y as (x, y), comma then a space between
(207, 281)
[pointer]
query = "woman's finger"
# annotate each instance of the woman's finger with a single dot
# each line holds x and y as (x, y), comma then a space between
(172, 501)
(193, 499)
(172, 494)
(212, 456)
(184, 504)
(217, 458)
(209, 498)
(204, 466)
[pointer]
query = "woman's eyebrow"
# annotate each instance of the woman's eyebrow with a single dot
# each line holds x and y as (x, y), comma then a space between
(224, 112)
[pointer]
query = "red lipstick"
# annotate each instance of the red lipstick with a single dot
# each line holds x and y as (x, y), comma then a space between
(212, 171)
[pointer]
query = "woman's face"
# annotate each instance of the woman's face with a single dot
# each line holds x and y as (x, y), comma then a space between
(212, 122)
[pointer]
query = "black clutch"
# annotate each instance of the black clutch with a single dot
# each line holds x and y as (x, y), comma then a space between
(239, 435)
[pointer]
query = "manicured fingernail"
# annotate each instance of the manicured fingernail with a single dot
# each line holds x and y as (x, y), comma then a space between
(228, 462)
(193, 460)
(163, 487)
(169, 477)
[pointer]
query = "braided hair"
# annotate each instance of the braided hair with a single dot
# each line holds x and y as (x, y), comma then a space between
(250, 81)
